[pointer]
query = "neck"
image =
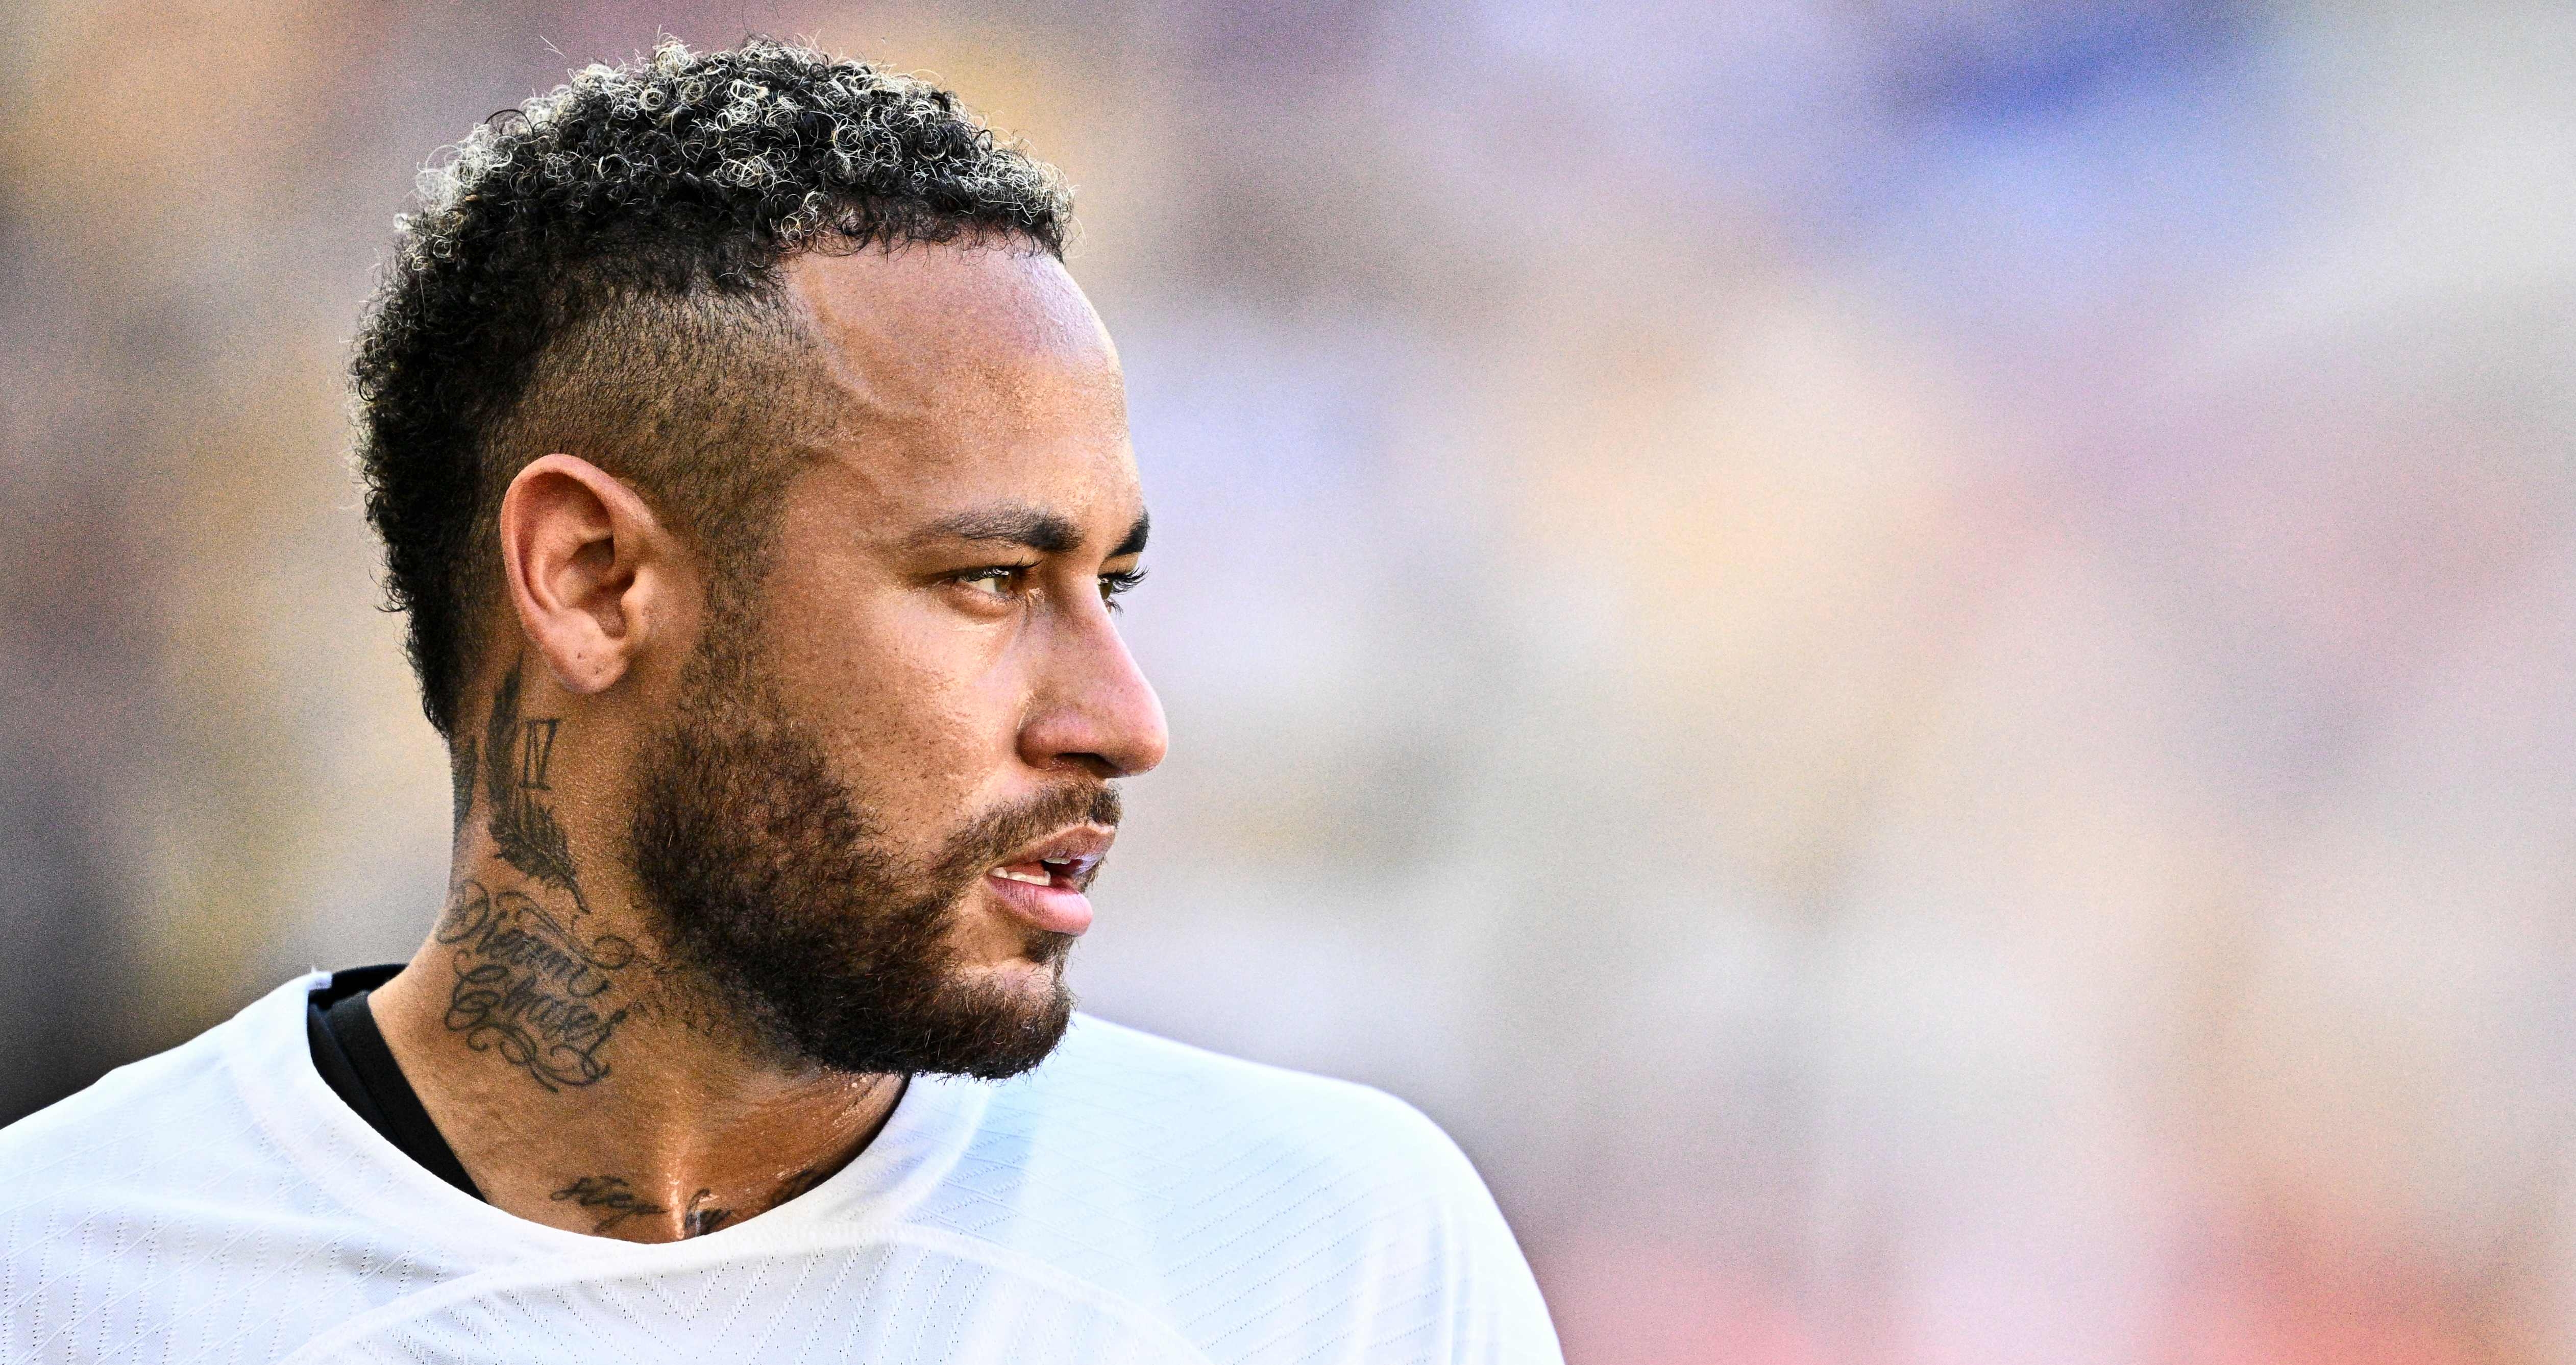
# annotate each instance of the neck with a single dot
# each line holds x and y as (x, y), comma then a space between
(582, 1078)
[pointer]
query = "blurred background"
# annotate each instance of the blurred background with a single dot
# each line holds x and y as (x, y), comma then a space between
(1912, 660)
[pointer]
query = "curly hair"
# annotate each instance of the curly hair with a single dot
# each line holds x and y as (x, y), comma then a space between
(597, 272)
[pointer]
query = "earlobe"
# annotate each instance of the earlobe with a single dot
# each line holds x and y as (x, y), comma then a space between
(582, 559)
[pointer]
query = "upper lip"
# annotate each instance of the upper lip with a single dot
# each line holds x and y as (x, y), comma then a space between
(1076, 852)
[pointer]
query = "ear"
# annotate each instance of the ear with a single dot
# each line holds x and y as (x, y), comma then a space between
(592, 574)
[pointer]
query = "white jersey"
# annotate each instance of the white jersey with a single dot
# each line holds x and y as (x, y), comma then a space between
(1130, 1201)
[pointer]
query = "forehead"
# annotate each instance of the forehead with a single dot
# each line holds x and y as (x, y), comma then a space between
(961, 375)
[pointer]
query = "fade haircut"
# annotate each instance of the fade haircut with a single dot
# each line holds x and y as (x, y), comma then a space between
(597, 273)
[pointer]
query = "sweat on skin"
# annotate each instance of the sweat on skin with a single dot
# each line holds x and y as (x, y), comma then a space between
(935, 614)
(756, 486)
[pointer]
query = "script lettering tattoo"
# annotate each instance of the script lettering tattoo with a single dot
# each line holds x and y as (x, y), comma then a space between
(529, 988)
(797, 1184)
(699, 1218)
(610, 1193)
(524, 831)
(616, 1201)
(532, 986)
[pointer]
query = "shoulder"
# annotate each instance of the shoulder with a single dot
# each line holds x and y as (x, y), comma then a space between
(1251, 1205)
(128, 1123)
(135, 1215)
(1188, 1124)
(1165, 1091)
(108, 1165)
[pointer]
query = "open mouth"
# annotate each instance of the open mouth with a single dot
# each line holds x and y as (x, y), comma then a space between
(1043, 883)
(1044, 872)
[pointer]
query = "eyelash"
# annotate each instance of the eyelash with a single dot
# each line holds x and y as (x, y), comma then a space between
(1112, 585)
(1115, 585)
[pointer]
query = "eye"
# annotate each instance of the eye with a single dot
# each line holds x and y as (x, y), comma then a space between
(998, 581)
(1113, 585)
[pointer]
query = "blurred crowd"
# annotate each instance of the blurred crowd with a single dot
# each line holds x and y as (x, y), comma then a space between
(1912, 659)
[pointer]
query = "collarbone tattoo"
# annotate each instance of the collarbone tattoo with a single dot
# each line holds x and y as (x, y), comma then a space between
(703, 1218)
(612, 1199)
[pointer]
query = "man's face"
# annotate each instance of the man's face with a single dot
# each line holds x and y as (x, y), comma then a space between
(885, 787)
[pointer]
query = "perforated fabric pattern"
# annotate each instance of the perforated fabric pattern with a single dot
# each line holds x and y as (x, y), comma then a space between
(1130, 1200)
(1269, 1216)
(890, 1303)
(150, 1219)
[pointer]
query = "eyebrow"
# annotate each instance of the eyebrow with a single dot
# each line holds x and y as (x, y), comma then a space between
(1020, 524)
(1135, 540)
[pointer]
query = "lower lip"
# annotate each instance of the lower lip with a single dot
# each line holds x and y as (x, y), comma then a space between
(1056, 908)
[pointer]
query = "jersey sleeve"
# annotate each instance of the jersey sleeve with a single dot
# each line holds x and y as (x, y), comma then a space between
(1266, 1216)
(1457, 1289)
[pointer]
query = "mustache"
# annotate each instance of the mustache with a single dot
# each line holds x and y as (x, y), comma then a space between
(999, 832)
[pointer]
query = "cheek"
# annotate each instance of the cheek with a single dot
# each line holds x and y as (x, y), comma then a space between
(915, 709)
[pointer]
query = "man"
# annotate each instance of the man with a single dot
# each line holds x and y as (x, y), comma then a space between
(758, 486)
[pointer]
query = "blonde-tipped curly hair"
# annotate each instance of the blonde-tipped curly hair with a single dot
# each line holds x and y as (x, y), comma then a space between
(597, 272)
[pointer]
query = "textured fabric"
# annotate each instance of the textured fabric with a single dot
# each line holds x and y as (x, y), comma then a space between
(1132, 1200)
(351, 1053)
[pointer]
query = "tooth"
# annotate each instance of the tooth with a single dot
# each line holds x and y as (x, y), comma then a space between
(1034, 879)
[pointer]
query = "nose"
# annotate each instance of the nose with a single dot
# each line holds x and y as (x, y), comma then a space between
(1094, 710)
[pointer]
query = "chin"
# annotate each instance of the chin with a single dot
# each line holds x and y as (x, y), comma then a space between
(1021, 1013)
(1005, 954)
(1021, 976)
(1032, 995)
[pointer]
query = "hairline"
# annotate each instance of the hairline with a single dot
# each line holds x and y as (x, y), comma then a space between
(737, 550)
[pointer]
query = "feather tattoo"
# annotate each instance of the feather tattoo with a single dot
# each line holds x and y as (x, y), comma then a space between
(524, 831)
(461, 775)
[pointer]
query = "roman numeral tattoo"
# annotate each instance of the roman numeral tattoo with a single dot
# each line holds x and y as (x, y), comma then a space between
(536, 749)
(532, 986)
(524, 831)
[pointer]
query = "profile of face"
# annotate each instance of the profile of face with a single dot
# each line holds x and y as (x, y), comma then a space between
(885, 783)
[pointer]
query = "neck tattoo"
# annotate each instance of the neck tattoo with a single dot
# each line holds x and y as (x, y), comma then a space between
(535, 985)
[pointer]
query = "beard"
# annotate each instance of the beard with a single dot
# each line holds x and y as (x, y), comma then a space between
(779, 895)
